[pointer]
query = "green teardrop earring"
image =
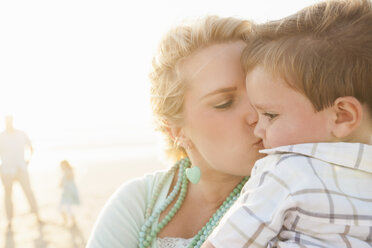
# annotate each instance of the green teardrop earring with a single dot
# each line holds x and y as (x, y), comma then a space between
(193, 174)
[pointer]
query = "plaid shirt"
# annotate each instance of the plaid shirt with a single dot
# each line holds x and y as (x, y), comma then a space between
(306, 195)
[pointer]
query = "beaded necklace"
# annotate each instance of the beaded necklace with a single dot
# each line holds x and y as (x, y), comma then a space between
(146, 236)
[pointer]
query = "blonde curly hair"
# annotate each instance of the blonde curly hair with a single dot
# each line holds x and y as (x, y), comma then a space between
(167, 83)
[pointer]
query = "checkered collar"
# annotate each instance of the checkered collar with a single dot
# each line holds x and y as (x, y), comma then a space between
(353, 155)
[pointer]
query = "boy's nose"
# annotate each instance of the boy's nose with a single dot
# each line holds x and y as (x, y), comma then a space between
(251, 115)
(259, 131)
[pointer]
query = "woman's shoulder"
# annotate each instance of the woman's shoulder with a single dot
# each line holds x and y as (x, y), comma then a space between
(120, 220)
(137, 187)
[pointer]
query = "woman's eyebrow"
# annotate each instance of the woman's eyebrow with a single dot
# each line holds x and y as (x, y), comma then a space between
(220, 90)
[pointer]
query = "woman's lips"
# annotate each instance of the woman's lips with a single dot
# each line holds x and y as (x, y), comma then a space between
(259, 144)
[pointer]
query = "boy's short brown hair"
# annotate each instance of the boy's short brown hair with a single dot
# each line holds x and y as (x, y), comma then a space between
(323, 51)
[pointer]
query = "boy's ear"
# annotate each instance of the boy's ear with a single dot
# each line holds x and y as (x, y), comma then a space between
(349, 114)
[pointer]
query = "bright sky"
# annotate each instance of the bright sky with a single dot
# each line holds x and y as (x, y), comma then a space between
(84, 63)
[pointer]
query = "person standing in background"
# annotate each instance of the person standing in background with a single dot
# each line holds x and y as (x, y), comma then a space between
(70, 195)
(13, 144)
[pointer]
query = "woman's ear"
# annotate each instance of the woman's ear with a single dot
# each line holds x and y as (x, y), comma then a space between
(173, 131)
(349, 114)
(178, 136)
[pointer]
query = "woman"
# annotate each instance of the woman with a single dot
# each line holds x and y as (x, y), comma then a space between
(198, 96)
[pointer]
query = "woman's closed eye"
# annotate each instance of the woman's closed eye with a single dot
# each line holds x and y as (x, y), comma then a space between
(270, 116)
(224, 105)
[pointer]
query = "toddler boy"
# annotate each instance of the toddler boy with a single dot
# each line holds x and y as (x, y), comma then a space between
(309, 77)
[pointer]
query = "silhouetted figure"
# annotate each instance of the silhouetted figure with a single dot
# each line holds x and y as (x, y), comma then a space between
(13, 144)
(70, 195)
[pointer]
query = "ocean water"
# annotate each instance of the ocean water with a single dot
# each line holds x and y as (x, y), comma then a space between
(92, 147)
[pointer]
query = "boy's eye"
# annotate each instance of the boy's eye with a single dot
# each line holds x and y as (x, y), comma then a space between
(224, 105)
(269, 115)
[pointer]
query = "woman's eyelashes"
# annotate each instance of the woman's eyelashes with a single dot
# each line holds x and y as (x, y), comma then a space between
(224, 105)
(270, 116)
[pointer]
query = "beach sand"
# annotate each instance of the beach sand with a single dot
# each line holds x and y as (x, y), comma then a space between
(96, 182)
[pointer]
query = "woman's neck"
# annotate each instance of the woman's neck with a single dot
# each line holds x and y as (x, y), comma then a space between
(210, 192)
(213, 189)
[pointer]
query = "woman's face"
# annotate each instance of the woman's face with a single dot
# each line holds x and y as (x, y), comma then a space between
(218, 117)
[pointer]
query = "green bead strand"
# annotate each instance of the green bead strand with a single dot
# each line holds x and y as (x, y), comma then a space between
(203, 234)
(146, 236)
(148, 223)
(156, 193)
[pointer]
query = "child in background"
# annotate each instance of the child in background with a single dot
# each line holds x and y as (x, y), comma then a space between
(70, 194)
(309, 77)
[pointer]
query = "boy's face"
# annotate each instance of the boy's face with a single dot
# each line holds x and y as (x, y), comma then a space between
(285, 116)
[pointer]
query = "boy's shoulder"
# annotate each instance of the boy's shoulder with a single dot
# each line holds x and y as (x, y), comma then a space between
(304, 166)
